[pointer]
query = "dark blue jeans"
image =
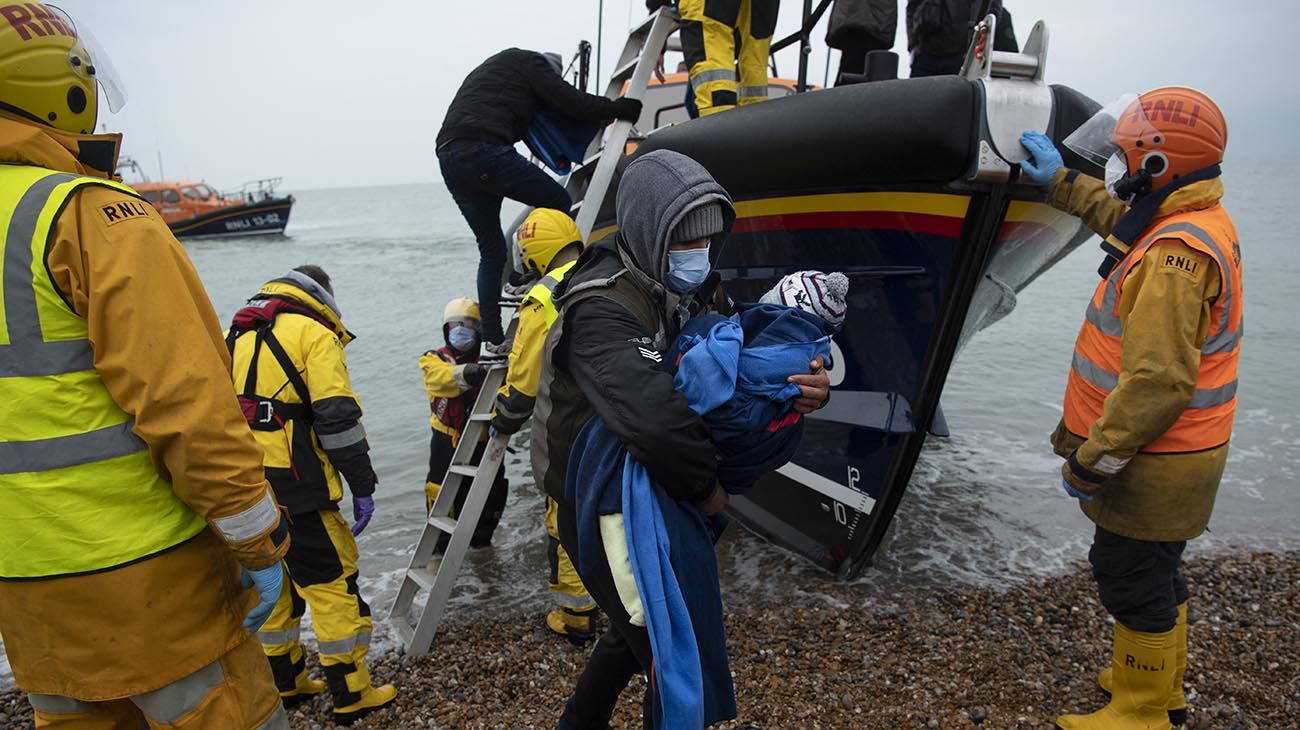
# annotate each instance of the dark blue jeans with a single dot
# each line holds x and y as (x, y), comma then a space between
(479, 175)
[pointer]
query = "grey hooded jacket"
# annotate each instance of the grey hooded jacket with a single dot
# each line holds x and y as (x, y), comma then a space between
(603, 355)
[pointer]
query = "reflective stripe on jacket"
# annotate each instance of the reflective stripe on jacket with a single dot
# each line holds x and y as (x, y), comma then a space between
(1207, 420)
(78, 489)
(537, 313)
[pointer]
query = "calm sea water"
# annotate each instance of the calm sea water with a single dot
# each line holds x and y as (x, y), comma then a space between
(985, 504)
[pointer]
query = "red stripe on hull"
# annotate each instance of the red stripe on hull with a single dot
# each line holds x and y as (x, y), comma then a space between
(936, 225)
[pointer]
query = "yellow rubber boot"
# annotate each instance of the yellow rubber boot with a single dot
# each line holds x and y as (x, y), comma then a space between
(1142, 672)
(304, 688)
(1177, 699)
(373, 698)
(354, 696)
(578, 625)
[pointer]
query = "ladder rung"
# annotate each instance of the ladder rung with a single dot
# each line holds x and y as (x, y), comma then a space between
(463, 470)
(624, 72)
(422, 578)
(446, 524)
(481, 417)
(645, 25)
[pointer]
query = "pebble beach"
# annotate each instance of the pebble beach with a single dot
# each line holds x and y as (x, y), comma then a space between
(959, 657)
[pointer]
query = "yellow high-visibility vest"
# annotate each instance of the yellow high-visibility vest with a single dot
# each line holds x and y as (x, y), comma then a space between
(78, 491)
(541, 291)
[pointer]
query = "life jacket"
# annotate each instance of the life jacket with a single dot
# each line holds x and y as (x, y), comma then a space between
(453, 412)
(1207, 421)
(79, 491)
(266, 413)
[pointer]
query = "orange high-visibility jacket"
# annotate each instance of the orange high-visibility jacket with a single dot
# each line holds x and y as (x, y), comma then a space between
(1206, 422)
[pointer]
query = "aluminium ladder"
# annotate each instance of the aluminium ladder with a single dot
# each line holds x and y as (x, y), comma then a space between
(640, 55)
(437, 574)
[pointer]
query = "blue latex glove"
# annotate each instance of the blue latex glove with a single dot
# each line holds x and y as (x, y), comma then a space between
(268, 582)
(493, 432)
(363, 508)
(1074, 492)
(1044, 160)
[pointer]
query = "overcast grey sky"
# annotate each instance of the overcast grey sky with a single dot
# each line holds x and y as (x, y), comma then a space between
(330, 94)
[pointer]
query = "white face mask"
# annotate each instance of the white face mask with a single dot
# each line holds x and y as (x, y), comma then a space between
(1116, 170)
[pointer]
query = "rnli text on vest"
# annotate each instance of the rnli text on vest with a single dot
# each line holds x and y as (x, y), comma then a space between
(124, 210)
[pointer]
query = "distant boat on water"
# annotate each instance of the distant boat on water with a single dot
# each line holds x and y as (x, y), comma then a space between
(192, 208)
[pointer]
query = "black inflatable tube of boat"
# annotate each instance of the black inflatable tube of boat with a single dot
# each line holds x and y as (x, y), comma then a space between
(905, 132)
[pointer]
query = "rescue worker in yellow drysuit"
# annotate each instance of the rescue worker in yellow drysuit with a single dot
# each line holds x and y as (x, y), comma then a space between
(710, 30)
(549, 244)
(292, 382)
(1151, 394)
(131, 492)
(452, 378)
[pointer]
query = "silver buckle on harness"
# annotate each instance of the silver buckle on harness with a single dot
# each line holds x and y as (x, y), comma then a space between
(265, 411)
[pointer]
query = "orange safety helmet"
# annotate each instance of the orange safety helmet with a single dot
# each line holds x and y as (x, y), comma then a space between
(1171, 132)
(1168, 133)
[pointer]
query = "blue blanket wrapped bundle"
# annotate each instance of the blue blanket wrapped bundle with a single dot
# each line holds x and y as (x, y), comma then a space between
(733, 372)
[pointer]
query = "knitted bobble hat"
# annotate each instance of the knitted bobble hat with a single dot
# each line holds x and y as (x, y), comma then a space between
(814, 292)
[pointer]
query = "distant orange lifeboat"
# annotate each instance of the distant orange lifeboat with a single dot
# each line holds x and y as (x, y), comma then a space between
(193, 208)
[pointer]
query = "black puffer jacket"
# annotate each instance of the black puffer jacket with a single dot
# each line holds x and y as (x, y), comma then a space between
(497, 101)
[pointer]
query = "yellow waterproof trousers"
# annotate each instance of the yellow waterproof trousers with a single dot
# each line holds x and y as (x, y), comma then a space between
(322, 573)
(233, 692)
(566, 587)
(711, 31)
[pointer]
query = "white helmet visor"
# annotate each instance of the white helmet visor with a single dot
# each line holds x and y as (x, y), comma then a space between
(97, 67)
(1094, 140)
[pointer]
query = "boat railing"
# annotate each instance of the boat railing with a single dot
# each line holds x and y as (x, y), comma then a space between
(125, 164)
(255, 191)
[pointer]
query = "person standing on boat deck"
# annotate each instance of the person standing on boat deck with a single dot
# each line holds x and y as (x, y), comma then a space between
(491, 111)
(709, 32)
(452, 379)
(1151, 395)
(293, 383)
(134, 516)
(619, 308)
(940, 31)
(858, 27)
(549, 245)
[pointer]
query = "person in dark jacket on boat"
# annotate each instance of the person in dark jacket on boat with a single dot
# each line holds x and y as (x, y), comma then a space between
(620, 308)
(491, 111)
(858, 27)
(939, 32)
